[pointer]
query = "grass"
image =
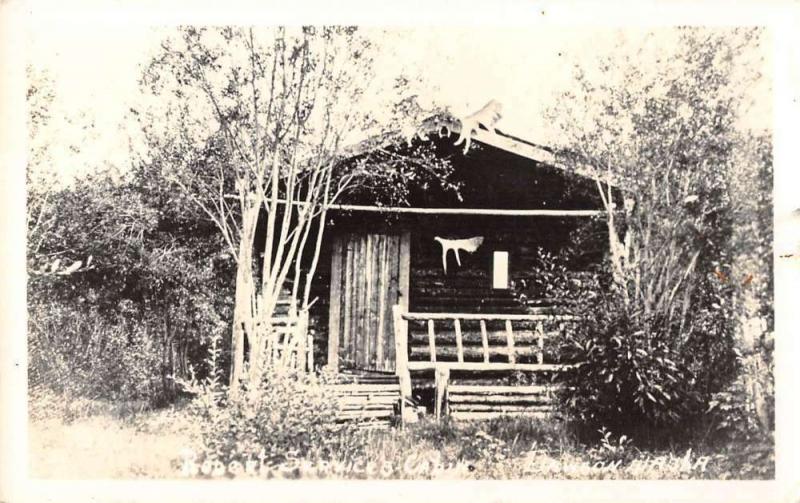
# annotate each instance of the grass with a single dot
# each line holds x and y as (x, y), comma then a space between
(108, 444)
(112, 442)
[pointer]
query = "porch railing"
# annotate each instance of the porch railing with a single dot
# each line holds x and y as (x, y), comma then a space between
(474, 342)
(492, 342)
(289, 343)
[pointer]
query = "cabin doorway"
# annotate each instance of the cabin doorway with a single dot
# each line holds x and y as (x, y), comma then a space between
(369, 275)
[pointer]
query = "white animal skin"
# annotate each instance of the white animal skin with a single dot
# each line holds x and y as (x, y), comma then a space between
(469, 245)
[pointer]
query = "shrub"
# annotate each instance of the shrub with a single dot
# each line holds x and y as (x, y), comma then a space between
(641, 371)
(745, 409)
(77, 356)
(631, 375)
(287, 415)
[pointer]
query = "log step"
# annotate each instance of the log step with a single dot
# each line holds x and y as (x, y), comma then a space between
(499, 408)
(500, 389)
(501, 400)
(480, 416)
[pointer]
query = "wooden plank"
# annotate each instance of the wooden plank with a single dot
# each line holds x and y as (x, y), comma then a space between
(403, 299)
(347, 300)
(442, 377)
(480, 416)
(481, 366)
(393, 252)
(385, 406)
(382, 410)
(459, 342)
(404, 270)
(360, 306)
(483, 407)
(469, 211)
(369, 315)
(484, 342)
(364, 390)
(401, 352)
(459, 398)
(489, 317)
(452, 211)
(364, 387)
(348, 376)
(374, 303)
(368, 400)
(366, 414)
(382, 290)
(431, 341)
(492, 389)
(510, 333)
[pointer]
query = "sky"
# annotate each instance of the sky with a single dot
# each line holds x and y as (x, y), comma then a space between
(95, 67)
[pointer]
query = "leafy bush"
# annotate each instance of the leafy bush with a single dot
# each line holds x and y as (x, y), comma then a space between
(77, 356)
(640, 371)
(628, 377)
(152, 289)
(288, 415)
(744, 410)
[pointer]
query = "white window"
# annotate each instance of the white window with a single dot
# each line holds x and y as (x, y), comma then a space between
(500, 270)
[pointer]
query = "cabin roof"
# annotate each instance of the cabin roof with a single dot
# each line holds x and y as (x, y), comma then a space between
(436, 124)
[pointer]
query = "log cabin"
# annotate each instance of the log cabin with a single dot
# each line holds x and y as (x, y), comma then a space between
(448, 282)
(433, 287)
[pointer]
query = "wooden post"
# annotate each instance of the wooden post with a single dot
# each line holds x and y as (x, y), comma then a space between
(403, 287)
(540, 332)
(442, 378)
(485, 342)
(401, 350)
(310, 353)
(512, 357)
(302, 338)
(459, 342)
(432, 341)
(334, 330)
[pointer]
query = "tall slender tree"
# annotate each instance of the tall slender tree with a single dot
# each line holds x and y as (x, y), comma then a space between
(255, 123)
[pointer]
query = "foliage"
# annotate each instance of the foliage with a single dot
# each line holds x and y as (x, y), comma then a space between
(125, 283)
(628, 380)
(657, 347)
(554, 282)
(251, 126)
(287, 415)
(744, 411)
(146, 292)
(78, 355)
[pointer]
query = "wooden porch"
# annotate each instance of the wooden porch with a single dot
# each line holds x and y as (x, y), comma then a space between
(481, 345)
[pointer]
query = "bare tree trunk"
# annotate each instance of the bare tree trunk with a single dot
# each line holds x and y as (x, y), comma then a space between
(243, 322)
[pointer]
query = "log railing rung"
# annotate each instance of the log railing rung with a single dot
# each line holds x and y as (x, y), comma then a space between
(432, 340)
(459, 343)
(524, 341)
(510, 334)
(485, 342)
(540, 353)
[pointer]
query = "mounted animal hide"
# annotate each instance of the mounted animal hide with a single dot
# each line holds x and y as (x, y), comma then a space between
(469, 245)
(486, 117)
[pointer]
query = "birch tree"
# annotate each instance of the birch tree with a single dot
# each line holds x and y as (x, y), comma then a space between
(662, 125)
(255, 122)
